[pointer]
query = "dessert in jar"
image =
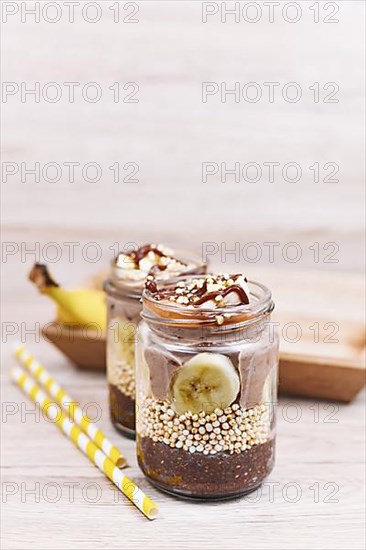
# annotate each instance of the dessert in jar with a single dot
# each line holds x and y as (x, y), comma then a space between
(124, 289)
(206, 386)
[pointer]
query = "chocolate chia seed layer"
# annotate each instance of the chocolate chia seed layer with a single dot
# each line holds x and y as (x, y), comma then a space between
(122, 410)
(198, 476)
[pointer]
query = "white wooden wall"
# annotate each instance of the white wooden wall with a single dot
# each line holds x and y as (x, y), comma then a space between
(170, 132)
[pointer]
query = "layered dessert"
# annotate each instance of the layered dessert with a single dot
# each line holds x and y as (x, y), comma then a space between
(124, 290)
(206, 386)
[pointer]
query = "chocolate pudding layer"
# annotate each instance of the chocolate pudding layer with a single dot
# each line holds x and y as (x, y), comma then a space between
(197, 476)
(122, 410)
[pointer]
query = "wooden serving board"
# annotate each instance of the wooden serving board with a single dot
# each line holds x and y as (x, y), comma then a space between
(320, 317)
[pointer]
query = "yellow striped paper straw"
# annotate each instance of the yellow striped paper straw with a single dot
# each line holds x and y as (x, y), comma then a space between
(69, 405)
(86, 445)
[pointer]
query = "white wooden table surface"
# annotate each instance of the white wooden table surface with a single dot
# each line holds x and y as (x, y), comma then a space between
(314, 497)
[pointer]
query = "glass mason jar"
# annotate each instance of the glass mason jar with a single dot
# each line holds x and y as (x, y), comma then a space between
(123, 315)
(219, 449)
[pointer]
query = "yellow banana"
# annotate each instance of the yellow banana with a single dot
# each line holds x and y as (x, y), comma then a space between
(84, 307)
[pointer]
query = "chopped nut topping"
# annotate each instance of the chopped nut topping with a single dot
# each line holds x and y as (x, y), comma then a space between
(209, 292)
(150, 259)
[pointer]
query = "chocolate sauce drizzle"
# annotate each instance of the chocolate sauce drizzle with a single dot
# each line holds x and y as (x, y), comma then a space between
(143, 251)
(152, 287)
(198, 295)
(140, 253)
(242, 295)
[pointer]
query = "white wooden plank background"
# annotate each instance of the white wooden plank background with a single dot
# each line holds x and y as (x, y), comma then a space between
(169, 133)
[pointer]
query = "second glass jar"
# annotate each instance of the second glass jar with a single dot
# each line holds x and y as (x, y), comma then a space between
(124, 313)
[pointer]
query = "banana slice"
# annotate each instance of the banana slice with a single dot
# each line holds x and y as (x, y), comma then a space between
(205, 382)
(122, 341)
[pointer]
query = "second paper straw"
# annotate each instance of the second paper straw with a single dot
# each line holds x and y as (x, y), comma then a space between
(70, 406)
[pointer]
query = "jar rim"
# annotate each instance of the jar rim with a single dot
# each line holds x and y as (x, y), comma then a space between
(134, 288)
(165, 313)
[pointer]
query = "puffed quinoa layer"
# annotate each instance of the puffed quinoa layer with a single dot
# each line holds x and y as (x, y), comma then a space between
(122, 375)
(232, 430)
